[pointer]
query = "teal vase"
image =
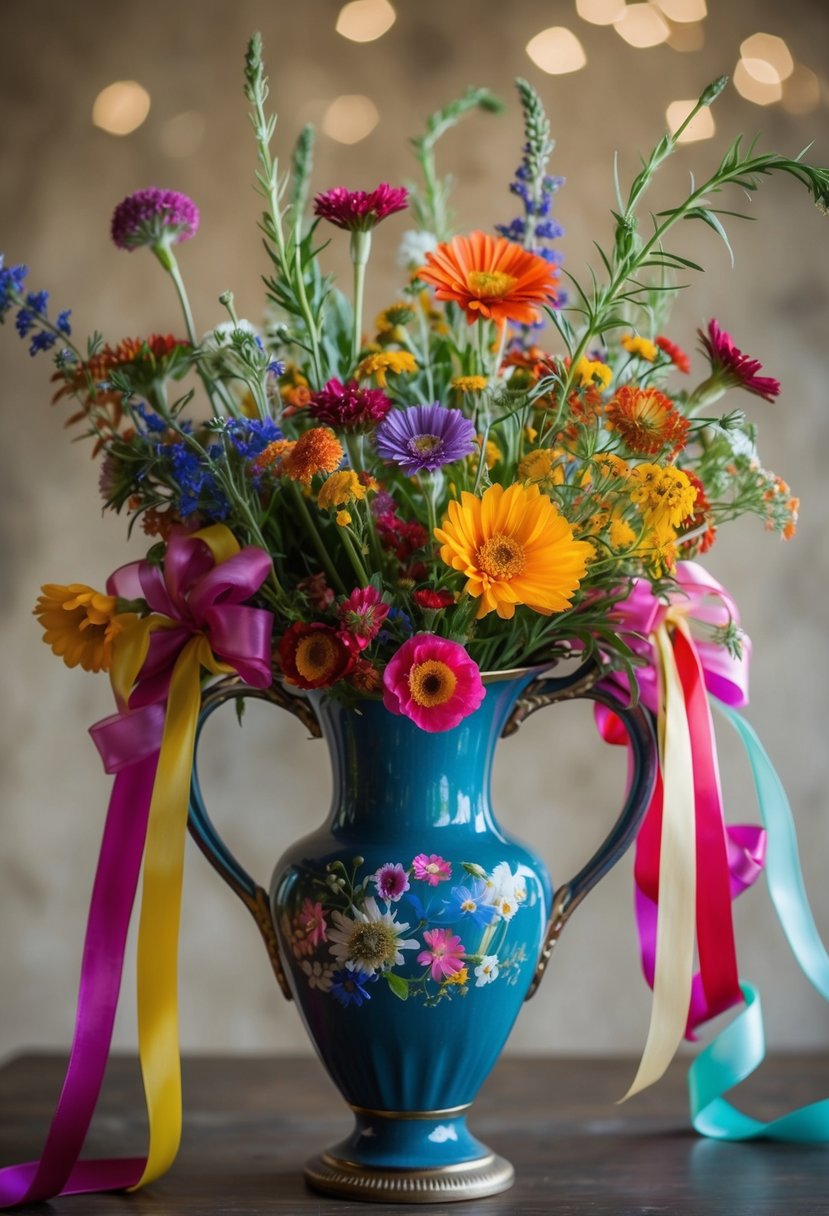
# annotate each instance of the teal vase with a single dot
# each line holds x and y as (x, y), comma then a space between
(410, 927)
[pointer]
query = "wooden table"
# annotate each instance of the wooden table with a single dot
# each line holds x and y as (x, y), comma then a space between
(250, 1122)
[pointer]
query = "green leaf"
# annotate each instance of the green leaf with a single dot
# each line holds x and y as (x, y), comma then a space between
(398, 985)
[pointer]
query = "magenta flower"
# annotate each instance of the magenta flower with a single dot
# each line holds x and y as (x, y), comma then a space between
(445, 954)
(431, 868)
(154, 217)
(363, 614)
(432, 681)
(734, 369)
(348, 406)
(391, 881)
(360, 210)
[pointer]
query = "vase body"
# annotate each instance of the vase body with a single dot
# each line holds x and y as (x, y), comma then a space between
(410, 926)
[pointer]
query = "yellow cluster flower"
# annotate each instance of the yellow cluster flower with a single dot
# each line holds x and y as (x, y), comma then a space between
(340, 488)
(592, 371)
(390, 362)
(470, 384)
(542, 466)
(643, 347)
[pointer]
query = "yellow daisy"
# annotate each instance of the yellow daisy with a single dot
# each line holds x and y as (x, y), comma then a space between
(385, 362)
(80, 624)
(515, 547)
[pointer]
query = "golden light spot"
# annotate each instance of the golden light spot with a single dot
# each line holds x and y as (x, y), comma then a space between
(121, 107)
(762, 94)
(687, 38)
(501, 556)
(701, 126)
(770, 51)
(801, 92)
(556, 51)
(642, 25)
(365, 20)
(683, 11)
(600, 12)
(432, 683)
(350, 118)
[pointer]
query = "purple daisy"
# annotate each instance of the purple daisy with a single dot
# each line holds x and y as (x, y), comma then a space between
(151, 217)
(392, 881)
(348, 406)
(425, 437)
(734, 369)
(360, 210)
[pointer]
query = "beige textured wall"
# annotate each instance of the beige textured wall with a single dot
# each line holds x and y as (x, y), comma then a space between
(555, 783)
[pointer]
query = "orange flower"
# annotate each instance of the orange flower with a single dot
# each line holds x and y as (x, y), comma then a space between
(317, 451)
(646, 420)
(80, 624)
(490, 278)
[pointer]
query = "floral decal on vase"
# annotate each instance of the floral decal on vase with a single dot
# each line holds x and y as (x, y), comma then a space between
(427, 929)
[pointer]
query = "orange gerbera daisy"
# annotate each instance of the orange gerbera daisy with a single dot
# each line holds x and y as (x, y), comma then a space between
(491, 278)
(515, 547)
(646, 420)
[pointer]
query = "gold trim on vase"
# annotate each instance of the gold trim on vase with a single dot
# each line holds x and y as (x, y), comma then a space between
(440, 1184)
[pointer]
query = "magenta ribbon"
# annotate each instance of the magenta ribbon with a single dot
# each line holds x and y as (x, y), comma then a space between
(199, 597)
(729, 859)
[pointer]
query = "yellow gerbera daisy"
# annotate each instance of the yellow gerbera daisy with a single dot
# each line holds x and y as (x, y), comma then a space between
(515, 547)
(80, 624)
(385, 362)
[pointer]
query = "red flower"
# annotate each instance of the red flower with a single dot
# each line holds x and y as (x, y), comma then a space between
(433, 600)
(348, 406)
(732, 367)
(313, 655)
(676, 355)
(359, 210)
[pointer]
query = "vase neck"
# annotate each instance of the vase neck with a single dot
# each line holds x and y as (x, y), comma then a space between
(387, 771)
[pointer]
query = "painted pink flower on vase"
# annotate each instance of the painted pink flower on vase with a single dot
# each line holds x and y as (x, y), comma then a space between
(445, 954)
(431, 868)
(391, 881)
(309, 929)
(432, 681)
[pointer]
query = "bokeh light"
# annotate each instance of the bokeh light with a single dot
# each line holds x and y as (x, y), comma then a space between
(701, 126)
(768, 49)
(350, 118)
(365, 20)
(802, 91)
(600, 12)
(762, 93)
(642, 25)
(556, 50)
(687, 38)
(683, 11)
(121, 107)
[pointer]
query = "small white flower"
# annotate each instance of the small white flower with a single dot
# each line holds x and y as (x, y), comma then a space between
(506, 891)
(487, 970)
(413, 248)
(221, 334)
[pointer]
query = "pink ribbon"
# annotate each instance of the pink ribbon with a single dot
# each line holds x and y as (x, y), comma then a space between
(200, 597)
(729, 859)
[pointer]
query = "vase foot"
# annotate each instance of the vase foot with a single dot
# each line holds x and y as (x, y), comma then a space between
(442, 1184)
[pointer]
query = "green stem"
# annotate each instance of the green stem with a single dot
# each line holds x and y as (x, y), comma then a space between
(360, 250)
(316, 539)
(353, 557)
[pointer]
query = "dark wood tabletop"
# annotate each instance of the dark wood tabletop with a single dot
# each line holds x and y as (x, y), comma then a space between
(250, 1123)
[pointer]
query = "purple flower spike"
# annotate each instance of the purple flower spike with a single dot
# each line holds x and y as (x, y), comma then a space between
(154, 217)
(425, 437)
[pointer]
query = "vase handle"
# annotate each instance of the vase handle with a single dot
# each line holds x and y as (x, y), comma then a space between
(586, 682)
(252, 895)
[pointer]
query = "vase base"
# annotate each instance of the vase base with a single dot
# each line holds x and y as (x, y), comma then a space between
(444, 1184)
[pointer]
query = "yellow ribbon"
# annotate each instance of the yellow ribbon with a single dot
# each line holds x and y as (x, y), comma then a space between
(158, 931)
(675, 927)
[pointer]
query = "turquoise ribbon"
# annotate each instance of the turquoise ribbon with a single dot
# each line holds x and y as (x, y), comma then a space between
(740, 1049)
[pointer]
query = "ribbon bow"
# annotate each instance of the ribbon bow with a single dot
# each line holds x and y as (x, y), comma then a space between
(198, 620)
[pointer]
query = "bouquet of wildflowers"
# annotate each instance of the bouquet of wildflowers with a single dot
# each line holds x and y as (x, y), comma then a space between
(469, 483)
